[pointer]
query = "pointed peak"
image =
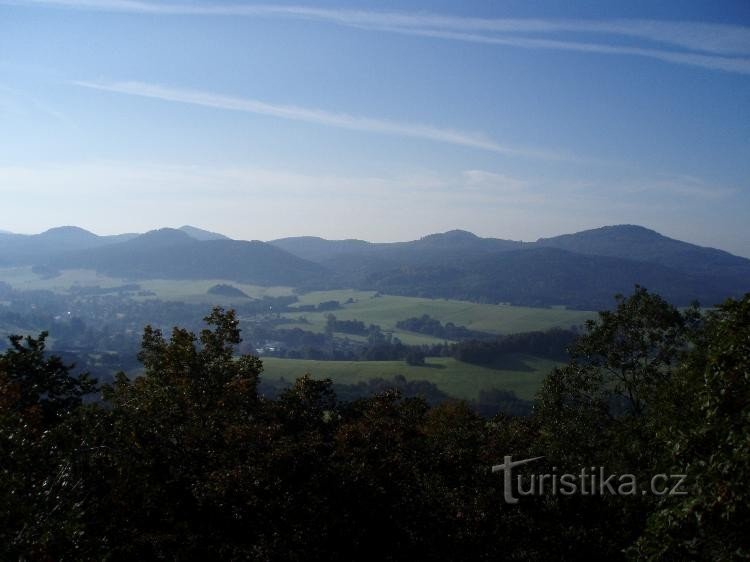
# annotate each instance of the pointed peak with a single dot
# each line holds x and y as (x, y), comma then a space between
(201, 234)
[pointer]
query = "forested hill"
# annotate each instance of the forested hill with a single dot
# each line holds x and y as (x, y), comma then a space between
(580, 269)
(544, 277)
(443, 247)
(641, 244)
(33, 249)
(30, 249)
(173, 254)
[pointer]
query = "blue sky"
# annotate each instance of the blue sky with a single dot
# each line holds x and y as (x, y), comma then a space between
(380, 120)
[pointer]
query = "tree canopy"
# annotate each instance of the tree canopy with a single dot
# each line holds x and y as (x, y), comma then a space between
(190, 460)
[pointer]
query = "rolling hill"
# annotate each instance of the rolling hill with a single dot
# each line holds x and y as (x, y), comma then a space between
(173, 254)
(200, 234)
(641, 244)
(543, 277)
(31, 249)
(443, 247)
(581, 270)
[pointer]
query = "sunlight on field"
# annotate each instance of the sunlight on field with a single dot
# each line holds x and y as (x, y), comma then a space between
(457, 379)
(367, 306)
(387, 310)
(196, 291)
(23, 278)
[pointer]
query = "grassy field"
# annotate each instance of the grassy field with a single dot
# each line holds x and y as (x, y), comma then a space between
(460, 380)
(387, 310)
(23, 278)
(316, 323)
(367, 306)
(196, 291)
(522, 374)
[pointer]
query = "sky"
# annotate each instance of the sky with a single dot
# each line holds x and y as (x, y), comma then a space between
(379, 120)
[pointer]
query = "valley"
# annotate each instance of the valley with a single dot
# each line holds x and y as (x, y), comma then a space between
(348, 310)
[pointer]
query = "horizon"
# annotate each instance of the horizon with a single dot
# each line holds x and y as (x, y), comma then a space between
(377, 122)
(394, 241)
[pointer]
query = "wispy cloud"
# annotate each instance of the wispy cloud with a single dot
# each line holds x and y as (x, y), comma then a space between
(738, 65)
(14, 102)
(685, 186)
(318, 116)
(708, 45)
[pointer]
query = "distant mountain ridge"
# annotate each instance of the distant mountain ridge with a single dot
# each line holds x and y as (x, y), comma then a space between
(568, 269)
(642, 244)
(441, 247)
(29, 249)
(200, 234)
(581, 270)
(169, 253)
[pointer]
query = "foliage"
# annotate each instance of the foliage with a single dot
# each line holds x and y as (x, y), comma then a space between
(189, 461)
(225, 290)
(39, 400)
(415, 358)
(553, 343)
(426, 324)
(712, 445)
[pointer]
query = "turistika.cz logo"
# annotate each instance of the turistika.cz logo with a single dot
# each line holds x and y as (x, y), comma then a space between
(590, 481)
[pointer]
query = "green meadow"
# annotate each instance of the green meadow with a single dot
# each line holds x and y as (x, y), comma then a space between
(22, 278)
(191, 291)
(387, 310)
(367, 306)
(523, 374)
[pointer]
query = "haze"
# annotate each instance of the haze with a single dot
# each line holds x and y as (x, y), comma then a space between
(381, 121)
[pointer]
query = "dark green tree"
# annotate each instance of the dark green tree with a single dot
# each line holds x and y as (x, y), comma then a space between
(607, 407)
(708, 438)
(39, 398)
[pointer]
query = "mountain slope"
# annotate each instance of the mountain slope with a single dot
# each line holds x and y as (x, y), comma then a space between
(200, 234)
(581, 270)
(442, 247)
(542, 277)
(318, 249)
(172, 254)
(639, 243)
(714, 268)
(29, 249)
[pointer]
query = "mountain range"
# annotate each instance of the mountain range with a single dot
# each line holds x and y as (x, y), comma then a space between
(581, 270)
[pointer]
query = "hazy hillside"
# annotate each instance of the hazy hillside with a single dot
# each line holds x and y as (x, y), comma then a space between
(319, 249)
(173, 254)
(716, 270)
(443, 247)
(30, 249)
(542, 277)
(200, 234)
(638, 243)
(581, 270)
